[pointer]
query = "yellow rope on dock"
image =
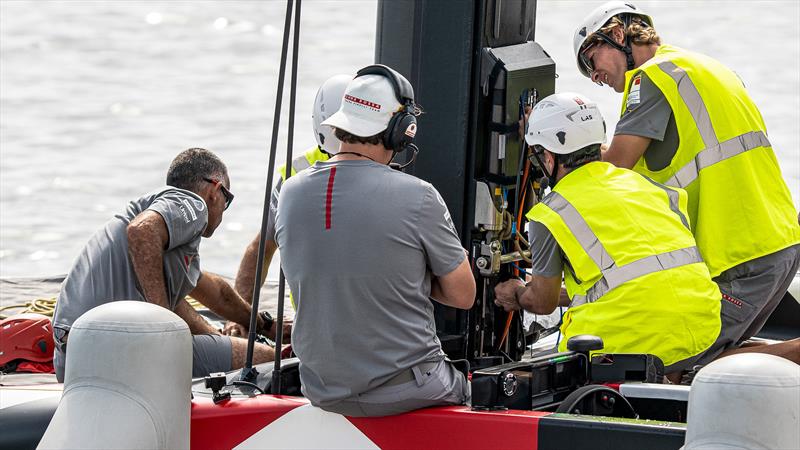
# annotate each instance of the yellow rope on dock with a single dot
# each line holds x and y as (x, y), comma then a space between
(47, 306)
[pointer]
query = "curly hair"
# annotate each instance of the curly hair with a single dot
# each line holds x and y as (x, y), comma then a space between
(190, 168)
(639, 31)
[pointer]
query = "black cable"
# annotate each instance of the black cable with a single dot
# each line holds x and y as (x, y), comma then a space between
(276, 372)
(245, 383)
(520, 169)
(249, 372)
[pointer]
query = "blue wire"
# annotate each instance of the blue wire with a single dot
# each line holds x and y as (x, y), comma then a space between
(520, 269)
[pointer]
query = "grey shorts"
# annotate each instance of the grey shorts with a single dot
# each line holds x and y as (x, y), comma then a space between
(434, 383)
(210, 353)
(750, 293)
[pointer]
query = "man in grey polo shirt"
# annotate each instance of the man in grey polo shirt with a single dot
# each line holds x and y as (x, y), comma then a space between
(150, 252)
(364, 249)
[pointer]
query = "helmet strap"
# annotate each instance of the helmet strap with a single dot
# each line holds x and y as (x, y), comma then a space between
(623, 48)
(551, 177)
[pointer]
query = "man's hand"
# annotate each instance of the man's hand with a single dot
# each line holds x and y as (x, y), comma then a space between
(287, 330)
(234, 329)
(505, 294)
(237, 330)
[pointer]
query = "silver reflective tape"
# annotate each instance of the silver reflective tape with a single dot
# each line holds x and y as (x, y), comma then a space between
(577, 300)
(674, 201)
(300, 163)
(580, 229)
(651, 264)
(720, 152)
(694, 102)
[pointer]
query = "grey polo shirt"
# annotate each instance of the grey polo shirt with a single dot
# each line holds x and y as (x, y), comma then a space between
(648, 114)
(359, 244)
(103, 273)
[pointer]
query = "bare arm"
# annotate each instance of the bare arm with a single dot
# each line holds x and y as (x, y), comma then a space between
(625, 150)
(147, 239)
(197, 324)
(540, 296)
(246, 276)
(457, 288)
(218, 296)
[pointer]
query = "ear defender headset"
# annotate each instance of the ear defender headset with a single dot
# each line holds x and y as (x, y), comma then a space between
(402, 127)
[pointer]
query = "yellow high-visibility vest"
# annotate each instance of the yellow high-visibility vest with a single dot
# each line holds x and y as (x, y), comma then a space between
(739, 204)
(632, 267)
(304, 161)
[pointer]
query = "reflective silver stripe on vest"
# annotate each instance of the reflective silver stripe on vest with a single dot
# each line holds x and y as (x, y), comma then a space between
(300, 163)
(580, 229)
(714, 150)
(691, 97)
(612, 275)
(720, 152)
(674, 201)
(645, 266)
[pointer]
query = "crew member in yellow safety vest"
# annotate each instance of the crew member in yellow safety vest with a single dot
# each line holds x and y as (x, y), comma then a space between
(687, 121)
(327, 101)
(622, 241)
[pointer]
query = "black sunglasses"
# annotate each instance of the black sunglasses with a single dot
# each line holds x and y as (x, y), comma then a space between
(585, 60)
(225, 192)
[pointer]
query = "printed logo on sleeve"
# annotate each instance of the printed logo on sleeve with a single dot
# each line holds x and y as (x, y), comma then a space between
(447, 218)
(190, 208)
(634, 96)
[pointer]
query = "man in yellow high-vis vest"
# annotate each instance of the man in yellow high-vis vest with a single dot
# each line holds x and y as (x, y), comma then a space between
(687, 121)
(327, 101)
(630, 264)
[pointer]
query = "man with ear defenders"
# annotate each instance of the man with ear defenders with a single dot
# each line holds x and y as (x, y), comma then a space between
(364, 247)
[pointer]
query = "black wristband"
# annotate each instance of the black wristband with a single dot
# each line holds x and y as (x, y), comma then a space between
(268, 321)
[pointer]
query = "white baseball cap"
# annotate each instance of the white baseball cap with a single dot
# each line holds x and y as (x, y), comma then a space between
(368, 105)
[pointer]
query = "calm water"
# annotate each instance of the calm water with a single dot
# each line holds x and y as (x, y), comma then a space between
(96, 98)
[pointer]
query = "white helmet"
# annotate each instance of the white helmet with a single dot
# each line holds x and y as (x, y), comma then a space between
(564, 123)
(596, 20)
(327, 102)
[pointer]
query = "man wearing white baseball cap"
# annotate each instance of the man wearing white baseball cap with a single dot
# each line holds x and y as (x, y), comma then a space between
(364, 247)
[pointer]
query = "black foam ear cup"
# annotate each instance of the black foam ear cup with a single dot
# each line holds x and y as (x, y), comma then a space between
(401, 130)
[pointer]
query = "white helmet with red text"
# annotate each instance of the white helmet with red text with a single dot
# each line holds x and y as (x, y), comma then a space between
(564, 123)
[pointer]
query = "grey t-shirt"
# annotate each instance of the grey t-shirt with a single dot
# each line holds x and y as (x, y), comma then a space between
(359, 242)
(648, 114)
(546, 260)
(273, 209)
(103, 272)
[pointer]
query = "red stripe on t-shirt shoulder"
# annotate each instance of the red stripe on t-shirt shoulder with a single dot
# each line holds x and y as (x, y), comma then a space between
(329, 198)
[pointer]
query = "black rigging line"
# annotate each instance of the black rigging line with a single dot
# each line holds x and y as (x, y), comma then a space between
(249, 373)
